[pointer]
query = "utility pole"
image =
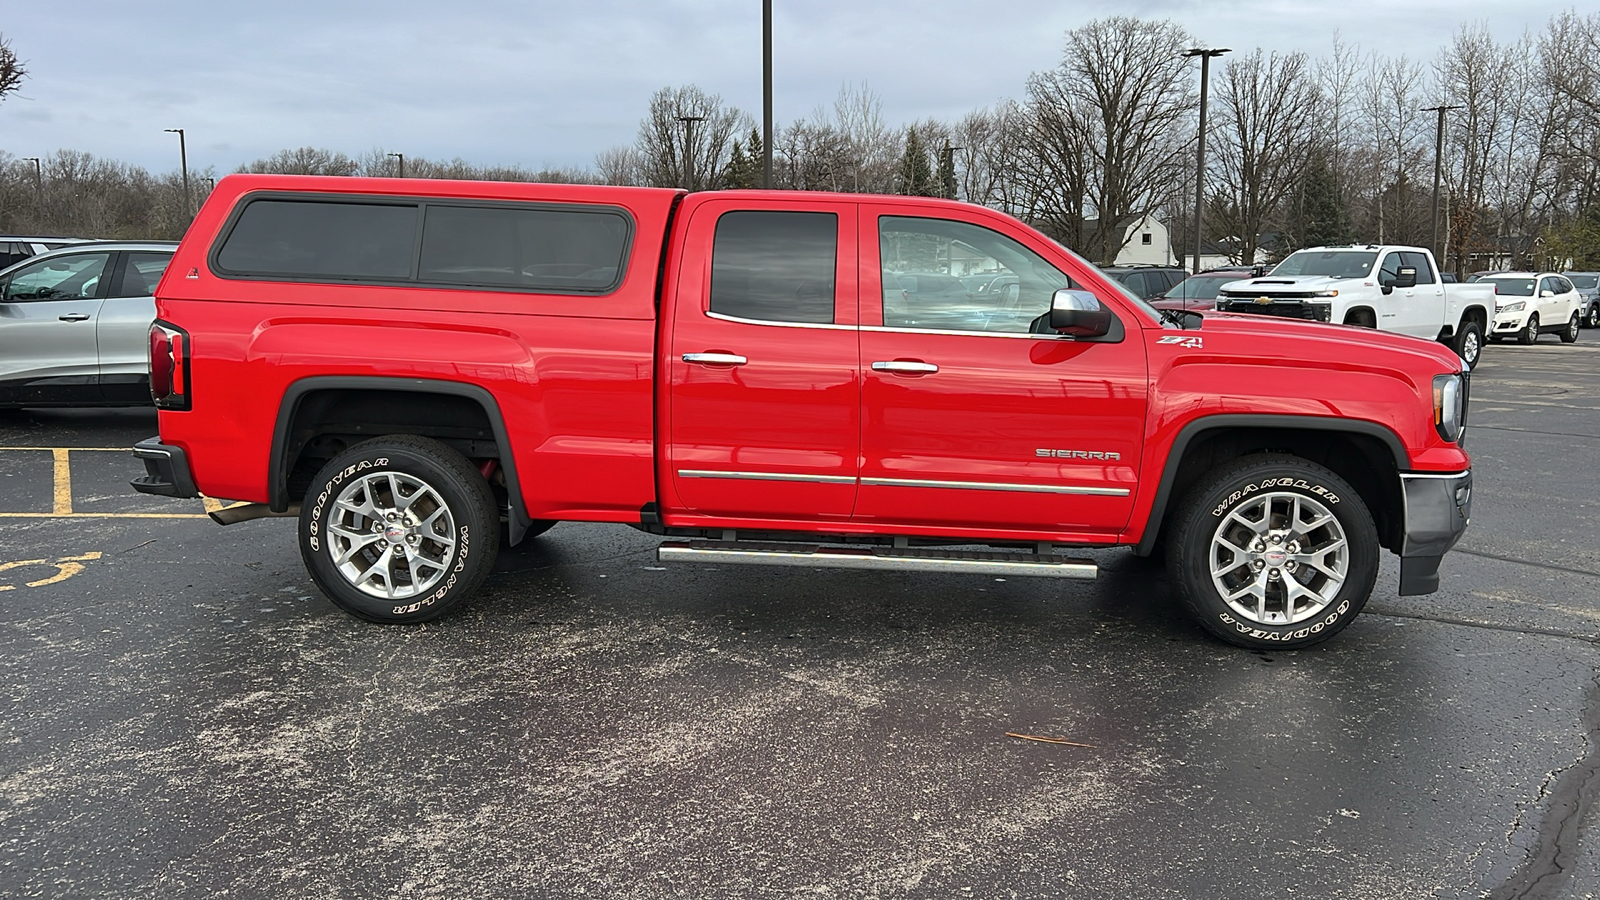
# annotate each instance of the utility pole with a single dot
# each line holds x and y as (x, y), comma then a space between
(402, 158)
(949, 169)
(766, 90)
(183, 160)
(688, 148)
(1205, 55)
(1438, 166)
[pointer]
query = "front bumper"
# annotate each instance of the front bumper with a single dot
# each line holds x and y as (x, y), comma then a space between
(1509, 323)
(166, 470)
(1438, 510)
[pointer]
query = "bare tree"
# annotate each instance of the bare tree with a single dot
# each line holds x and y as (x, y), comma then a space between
(1391, 98)
(1268, 110)
(303, 161)
(1107, 128)
(12, 70)
(687, 137)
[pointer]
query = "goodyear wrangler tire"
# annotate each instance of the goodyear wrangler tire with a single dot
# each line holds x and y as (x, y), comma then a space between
(399, 529)
(1274, 551)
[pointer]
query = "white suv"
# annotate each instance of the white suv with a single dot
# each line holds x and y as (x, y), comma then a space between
(1528, 304)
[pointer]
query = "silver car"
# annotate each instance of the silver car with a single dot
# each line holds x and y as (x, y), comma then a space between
(75, 323)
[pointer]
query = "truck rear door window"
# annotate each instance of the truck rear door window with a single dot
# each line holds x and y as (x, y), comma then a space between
(775, 266)
(559, 250)
(321, 240)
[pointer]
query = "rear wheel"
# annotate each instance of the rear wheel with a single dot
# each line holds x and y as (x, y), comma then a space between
(1530, 331)
(1469, 341)
(1274, 551)
(399, 529)
(1570, 333)
(1594, 315)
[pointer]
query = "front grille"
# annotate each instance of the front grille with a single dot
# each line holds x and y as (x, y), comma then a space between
(1290, 309)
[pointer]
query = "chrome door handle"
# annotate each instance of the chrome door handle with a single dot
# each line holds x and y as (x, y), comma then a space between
(715, 359)
(75, 317)
(905, 367)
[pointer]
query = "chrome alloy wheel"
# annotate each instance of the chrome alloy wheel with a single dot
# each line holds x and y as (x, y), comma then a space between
(391, 535)
(1279, 558)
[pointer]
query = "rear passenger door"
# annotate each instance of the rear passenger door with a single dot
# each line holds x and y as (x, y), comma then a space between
(123, 329)
(763, 404)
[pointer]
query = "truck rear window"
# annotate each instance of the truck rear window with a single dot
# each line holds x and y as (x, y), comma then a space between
(531, 247)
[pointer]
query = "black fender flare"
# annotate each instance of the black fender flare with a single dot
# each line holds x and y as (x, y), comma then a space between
(1192, 430)
(278, 499)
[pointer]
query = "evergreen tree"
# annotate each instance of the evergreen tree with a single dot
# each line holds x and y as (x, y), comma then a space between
(916, 176)
(739, 173)
(1324, 220)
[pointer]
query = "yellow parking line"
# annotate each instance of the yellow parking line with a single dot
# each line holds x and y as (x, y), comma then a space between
(82, 515)
(87, 449)
(63, 497)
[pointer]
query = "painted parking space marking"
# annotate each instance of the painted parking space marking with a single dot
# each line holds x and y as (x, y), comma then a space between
(66, 567)
(61, 492)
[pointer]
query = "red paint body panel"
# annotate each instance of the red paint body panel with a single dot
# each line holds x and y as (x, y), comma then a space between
(604, 416)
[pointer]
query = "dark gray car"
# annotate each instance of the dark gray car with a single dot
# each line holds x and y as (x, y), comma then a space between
(75, 322)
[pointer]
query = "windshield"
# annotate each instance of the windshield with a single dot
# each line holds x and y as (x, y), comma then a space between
(1511, 287)
(1203, 287)
(1584, 282)
(1334, 263)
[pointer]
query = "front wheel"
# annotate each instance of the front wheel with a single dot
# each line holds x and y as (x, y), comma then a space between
(1594, 316)
(1469, 342)
(1569, 335)
(1530, 331)
(1274, 551)
(399, 529)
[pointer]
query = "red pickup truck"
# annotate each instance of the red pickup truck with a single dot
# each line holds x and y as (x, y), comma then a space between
(421, 369)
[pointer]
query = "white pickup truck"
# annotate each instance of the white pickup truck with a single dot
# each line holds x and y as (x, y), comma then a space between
(1391, 288)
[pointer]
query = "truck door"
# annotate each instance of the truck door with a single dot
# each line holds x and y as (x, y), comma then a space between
(1423, 310)
(970, 420)
(763, 399)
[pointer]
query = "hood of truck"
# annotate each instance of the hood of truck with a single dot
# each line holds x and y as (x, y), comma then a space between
(1297, 339)
(1306, 284)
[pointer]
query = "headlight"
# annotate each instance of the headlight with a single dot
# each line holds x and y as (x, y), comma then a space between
(1449, 406)
(1512, 307)
(1326, 294)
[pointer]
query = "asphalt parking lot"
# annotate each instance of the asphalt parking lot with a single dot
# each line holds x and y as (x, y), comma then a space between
(187, 717)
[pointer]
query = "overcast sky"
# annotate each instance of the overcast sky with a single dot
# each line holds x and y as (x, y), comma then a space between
(539, 83)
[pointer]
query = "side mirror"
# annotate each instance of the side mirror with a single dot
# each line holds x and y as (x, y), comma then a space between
(1406, 279)
(1079, 313)
(1547, 294)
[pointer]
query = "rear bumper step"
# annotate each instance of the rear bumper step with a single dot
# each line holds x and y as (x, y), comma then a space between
(972, 562)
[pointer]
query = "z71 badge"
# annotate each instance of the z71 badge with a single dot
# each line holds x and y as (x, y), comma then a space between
(1191, 342)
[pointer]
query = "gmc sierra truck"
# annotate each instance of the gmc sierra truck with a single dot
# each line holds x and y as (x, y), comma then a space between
(1395, 289)
(418, 370)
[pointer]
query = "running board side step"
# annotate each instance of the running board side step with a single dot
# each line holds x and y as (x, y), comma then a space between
(904, 559)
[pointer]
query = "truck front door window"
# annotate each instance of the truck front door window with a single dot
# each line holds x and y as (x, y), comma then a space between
(927, 267)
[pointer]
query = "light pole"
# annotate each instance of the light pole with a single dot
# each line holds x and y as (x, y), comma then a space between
(688, 149)
(1438, 165)
(766, 90)
(402, 158)
(183, 160)
(1205, 55)
(38, 178)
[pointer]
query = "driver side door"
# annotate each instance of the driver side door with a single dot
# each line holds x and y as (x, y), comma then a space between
(49, 310)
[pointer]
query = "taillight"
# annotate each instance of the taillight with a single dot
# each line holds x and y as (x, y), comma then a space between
(169, 366)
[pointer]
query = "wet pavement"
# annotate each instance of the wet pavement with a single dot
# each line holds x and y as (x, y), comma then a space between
(185, 716)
